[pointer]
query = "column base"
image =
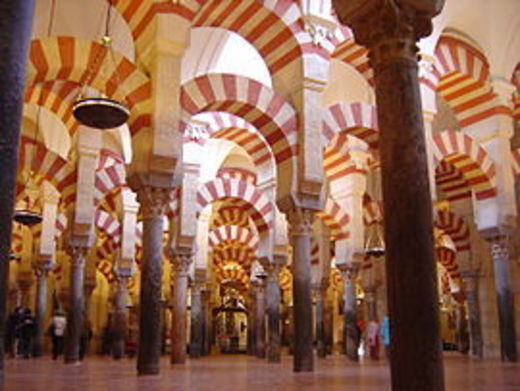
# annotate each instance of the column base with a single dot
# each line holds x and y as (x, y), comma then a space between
(148, 371)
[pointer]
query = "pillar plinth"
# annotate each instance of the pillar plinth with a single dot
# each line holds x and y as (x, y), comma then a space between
(76, 308)
(351, 332)
(181, 266)
(300, 221)
(42, 271)
(505, 296)
(390, 30)
(153, 202)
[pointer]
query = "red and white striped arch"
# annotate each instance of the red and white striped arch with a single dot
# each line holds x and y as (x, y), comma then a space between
(455, 227)
(447, 258)
(110, 174)
(242, 255)
(108, 224)
(516, 96)
(47, 166)
(106, 269)
(356, 119)
(237, 173)
(232, 233)
(57, 97)
(451, 182)
(356, 56)
(274, 28)
(238, 277)
(259, 207)
(335, 219)
(230, 215)
(372, 211)
(462, 72)
(75, 60)
(275, 119)
(470, 158)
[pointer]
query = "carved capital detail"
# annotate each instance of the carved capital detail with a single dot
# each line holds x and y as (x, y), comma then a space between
(181, 264)
(78, 255)
(300, 221)
(499, 247)
(389, 28)
(349, 271)
(153, 201)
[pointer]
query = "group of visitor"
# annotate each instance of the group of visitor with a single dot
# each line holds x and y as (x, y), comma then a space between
(375, 335)
(21, 329)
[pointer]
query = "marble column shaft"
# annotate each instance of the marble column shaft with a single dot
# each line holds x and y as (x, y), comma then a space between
(300, 221)
(321, 349)
(351, 332)
(197, 314)
(181, 265)
(120, 321)
(153, 202)
(76, 310)
(42, 273)
(273, 315)
(260, 319)
(390, 30)
(15, 36)
(475, 327)
(505, 297)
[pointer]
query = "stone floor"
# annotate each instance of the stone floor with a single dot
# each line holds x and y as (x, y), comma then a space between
(231, 373)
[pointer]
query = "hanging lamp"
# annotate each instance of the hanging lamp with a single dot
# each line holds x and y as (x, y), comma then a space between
(375, 244)
(101, 112)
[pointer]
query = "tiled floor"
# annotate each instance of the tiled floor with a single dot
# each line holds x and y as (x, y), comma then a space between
(230, 373)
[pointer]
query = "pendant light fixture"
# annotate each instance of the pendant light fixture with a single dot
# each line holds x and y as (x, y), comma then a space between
(374, 243)
(101, 112)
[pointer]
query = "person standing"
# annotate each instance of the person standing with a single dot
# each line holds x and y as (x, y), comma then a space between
(384, 331)
(27, 331)
(373, 339)
(57, 333)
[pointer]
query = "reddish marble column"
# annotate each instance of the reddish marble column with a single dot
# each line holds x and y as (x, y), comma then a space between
(351, 330)
(259, 290)
(181, 266)
(76, 310)
(273, 313)
(196, 314)
(390, 30)
(120, 321)
(505, 296)
(15, 35)
(300, 221)
(42, 271)
(470, 280)
(153, 202)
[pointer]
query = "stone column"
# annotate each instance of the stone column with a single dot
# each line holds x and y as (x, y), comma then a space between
(505, 296)
(206, 322)
(25, 282)
(371, 302)
(251, 326)
(351, 333)
(462, 329)
(15, 35)
(321, 344)
(181, 266)
(300, 221)
(273, 313)
(259, 288)
(76, 308)
(120, 319)
(40, 308)
(475, 329)
(153, 202)
(390, 30)
(196, 321)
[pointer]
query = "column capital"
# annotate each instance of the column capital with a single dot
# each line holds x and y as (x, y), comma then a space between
(389, 28)
(300, 220)
(349, 271)
(181, 263)
(153, 200)
(42, 269)
(78, 255)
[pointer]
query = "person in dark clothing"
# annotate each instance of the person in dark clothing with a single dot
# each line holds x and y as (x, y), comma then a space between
(26, 330)
(11, 331)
